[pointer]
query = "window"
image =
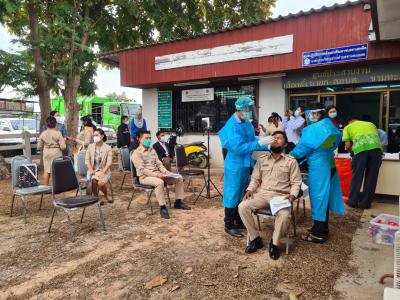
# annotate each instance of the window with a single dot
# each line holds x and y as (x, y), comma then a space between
(394, 123)
(189, 114)
(114, 109)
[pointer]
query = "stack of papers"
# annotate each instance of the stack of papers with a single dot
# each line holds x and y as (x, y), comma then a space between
(391, 156)
(173, 175)
(277, 203)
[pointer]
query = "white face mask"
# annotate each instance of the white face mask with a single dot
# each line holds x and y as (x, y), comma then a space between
(59, 119)
(96, 139)
(296, 113)
(163, 139)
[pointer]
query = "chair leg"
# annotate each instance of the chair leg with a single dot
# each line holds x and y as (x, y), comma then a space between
(41, 200)
(83, 213)
(51, 220)
(294, 222)
(12, 205)
(111, 190)
(71, 232)
(24, 207)
(123, 180)
(297, 206)
(168, 197)
(149, 202)
(259, 224)
(101, 217)
(287, 242)
(130, 200)
(304, 207)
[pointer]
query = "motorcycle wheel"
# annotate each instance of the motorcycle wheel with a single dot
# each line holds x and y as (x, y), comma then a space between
(202, 161)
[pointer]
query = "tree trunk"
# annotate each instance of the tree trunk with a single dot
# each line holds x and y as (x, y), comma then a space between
(43, 84)
(72, 107)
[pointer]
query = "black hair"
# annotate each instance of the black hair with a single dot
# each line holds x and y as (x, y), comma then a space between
(101, 131)
(283, 134)
(88, 122)
(270, 119)
(140, 133)
(158, 133)
(330, 107)
(123, 117)
(53, 113)
(276, 115)
(352, 118)
(51, 122)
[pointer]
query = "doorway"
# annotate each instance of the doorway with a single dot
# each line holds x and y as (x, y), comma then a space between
(365, 106)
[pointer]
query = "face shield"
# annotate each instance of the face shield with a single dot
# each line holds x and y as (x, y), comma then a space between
(246, 105)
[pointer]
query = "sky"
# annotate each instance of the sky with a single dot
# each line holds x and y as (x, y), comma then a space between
(108, 81)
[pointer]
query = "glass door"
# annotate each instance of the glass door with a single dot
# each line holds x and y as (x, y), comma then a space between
(304, 101)
(328, 100)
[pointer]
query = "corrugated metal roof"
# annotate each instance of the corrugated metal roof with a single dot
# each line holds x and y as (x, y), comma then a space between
(109, 57)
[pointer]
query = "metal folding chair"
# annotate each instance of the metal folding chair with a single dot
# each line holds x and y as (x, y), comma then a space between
(64, 180)
(125, 163)
(148, 189)
(16, 162)
(181, 163)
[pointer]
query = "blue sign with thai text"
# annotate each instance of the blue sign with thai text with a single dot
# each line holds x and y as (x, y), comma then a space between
(335, 55)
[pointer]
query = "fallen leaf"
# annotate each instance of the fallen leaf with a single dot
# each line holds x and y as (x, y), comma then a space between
(156, 281)
(209, 284)
(292, 296)
(174, 288)
(188, 270)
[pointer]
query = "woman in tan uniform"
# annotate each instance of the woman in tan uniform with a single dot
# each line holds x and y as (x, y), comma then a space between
(85, 136)
(51, 142)
(98, 162)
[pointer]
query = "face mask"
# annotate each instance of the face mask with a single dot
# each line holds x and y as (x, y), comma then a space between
(147, 143)
(163, 139)
(276, 149)
(296, 113)
(126, 122)
(59, 119)
(311, 120)
(247, 115)
(96, 139)
(332, 115)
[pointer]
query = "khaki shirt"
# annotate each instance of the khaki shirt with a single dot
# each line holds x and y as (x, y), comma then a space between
(147, 163)
(105, 157)
(279, 177)
(51, 138)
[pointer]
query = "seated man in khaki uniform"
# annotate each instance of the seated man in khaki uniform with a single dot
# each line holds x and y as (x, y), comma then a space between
(151, 171)
(274, 174)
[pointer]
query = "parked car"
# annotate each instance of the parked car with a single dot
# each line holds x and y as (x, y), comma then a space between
(11, 126)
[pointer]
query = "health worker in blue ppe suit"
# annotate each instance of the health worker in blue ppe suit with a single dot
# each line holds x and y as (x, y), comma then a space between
(318, 141)
(238, 138)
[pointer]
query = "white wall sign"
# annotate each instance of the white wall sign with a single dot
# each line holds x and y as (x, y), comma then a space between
(198, 95)
(259, 48)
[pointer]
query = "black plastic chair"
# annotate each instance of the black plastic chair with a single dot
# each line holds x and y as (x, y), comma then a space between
(182, 163)
(148, 189)
(125, 163)
(65, 180)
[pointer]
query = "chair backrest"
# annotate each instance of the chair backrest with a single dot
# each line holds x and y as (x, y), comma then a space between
(135, 178)
(224, 152)
(82, 169)
(125, 159)
(16, 162)
(63, 175)
(181, 159)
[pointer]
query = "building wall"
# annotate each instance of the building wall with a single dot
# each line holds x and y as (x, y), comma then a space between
(271, 98)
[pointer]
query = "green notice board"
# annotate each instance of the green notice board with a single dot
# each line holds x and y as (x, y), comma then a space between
(164, 109)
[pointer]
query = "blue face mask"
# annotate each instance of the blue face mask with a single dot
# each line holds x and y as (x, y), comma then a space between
(247, 115)
(147, 143)
(311, 120)
(332, 115)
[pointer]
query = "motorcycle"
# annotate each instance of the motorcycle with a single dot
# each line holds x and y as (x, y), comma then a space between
(195, 151)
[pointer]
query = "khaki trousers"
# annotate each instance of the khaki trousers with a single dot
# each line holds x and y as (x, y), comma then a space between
(261, 201)
(159, 187)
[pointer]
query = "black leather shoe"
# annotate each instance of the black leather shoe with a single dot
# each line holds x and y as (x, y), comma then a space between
(240, 226)
(254, 245)
(274, 251)
(181, 205)
(164, 213)
(352, 205)
(233, 232)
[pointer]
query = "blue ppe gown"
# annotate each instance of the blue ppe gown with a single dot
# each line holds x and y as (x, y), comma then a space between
(240, 141)
(317, 143)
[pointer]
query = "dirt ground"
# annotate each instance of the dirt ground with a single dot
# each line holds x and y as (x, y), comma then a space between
(190, 254)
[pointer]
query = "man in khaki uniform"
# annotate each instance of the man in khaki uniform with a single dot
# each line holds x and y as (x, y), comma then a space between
(152, 172)
(274, 174)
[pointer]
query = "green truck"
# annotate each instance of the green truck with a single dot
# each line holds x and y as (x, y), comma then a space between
(106, 111)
